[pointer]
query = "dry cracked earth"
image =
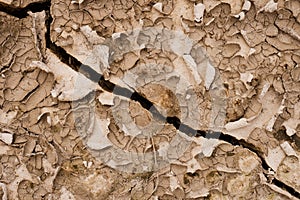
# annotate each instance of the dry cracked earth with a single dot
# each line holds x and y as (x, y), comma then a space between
(149, 99)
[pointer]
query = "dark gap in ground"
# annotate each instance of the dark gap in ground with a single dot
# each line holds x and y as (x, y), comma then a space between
(23, 12)
(291, 190)
(110, 87)
(58, 51)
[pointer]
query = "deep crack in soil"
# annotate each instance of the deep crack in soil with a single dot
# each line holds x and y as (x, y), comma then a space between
(23, 12)
(144, 102)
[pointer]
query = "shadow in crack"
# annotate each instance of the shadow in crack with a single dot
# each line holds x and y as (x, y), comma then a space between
(23, 12)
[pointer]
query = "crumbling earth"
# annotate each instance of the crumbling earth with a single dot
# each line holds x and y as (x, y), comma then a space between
(150, 99)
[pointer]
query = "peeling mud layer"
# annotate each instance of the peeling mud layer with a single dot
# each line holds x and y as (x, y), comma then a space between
(149, 99)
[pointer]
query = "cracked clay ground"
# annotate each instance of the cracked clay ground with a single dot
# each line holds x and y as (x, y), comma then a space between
(149, 99)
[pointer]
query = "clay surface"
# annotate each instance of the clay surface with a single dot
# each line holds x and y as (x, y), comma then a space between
(149, 99)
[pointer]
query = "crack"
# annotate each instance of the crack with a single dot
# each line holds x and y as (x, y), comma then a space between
(145, 103)
(58, 51)
(285, 187)
(23, 12)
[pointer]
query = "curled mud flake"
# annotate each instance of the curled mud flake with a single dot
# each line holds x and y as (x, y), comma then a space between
(108, 22)
(271, 6)
(199, 12)
(275, 157)
(192, 67)
(7, 138)
(277, 192)
(240, 16)
(288, 149)
(168, 6)
(246, 78)
(158, 6)
(208, 146)
(49, 113)
(106, 98)
(246, 5)
(165, 22)
(209, 75)
(198, 192)
(88, 48)
(120, 14)
(59, 9)
(29, 147)
(237, 124)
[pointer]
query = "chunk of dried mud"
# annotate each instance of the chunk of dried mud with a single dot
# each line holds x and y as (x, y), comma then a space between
(19, 41)
(7, 138)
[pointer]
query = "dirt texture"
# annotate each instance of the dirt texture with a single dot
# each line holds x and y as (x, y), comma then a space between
(149, 99)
